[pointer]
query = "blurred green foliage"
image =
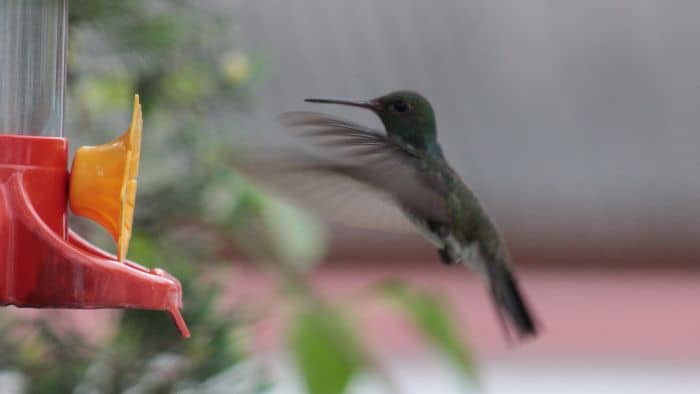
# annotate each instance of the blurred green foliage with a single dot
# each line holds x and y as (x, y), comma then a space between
(430, 314)
(190, 72)
(325, 351)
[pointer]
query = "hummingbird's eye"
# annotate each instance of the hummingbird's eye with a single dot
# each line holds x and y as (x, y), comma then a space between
(400, 106)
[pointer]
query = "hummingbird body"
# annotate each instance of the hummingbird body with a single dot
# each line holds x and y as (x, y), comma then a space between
(407, 166)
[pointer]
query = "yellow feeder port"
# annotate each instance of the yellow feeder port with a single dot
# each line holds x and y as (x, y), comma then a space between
(103, 182)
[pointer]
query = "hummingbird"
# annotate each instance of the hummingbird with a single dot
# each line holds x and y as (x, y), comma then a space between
(406, 165)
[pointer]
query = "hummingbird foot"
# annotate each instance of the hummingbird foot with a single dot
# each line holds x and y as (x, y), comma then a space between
(445, 257)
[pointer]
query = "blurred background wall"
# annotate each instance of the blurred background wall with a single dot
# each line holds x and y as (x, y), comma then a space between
(576, 122)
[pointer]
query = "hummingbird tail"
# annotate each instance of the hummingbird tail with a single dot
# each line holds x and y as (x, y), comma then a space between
(511, 305)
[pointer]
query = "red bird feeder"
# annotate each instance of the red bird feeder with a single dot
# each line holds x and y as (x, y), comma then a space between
(42, 263)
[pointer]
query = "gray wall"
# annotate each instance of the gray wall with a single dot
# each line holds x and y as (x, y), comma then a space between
(573, 120)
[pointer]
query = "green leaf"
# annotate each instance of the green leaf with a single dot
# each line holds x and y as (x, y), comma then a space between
(431, 315)
(263, 226)
(297, 238)
(325, 352)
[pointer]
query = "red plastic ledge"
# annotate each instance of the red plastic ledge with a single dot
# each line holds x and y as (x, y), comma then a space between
(48, 266)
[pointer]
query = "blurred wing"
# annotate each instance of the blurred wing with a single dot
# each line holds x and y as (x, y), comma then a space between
(335, 198)
(357, 174)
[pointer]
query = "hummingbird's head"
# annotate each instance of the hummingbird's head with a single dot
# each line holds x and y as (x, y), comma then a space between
(405, 114)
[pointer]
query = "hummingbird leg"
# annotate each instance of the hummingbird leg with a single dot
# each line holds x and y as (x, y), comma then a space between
(437, 229)
(445, 256)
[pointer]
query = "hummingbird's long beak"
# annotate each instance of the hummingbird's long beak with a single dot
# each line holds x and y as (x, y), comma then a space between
(371, 104)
